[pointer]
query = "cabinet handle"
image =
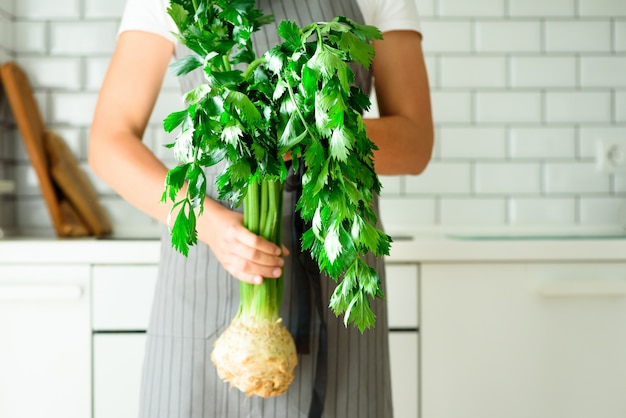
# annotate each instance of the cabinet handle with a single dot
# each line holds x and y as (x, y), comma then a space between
(48, 292)
(570, 288)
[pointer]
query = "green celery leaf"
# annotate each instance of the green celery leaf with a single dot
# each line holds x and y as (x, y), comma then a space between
(197, 94)
(332, 244)
(180, 233)
(290, 32)
(232, 133)
(360, 313)
(179, 15)
(186, 64)
(223, 78)
(175, 179)
(359, 50)
(246, 109)
(341, 143)
(173, 120)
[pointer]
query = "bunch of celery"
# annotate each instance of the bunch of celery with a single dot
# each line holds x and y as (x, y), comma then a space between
(297, 98)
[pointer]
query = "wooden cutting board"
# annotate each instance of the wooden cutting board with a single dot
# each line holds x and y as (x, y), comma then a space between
(74, 184)
(66, 219)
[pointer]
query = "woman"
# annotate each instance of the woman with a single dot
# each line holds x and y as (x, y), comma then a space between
(341, 373)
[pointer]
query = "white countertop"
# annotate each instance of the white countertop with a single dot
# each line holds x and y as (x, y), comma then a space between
(408, 246)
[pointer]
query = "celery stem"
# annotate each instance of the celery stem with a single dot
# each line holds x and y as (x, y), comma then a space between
(263, 216)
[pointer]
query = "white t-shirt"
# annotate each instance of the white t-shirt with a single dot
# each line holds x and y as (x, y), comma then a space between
(151, 16)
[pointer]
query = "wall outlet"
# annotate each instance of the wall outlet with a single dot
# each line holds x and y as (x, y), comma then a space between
(611, 155)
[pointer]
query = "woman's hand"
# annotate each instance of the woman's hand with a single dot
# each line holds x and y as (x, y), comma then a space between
(245, 255)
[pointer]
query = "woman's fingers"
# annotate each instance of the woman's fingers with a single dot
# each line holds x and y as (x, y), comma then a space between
(245, 255)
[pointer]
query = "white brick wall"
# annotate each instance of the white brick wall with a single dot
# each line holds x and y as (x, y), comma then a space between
(521, 90)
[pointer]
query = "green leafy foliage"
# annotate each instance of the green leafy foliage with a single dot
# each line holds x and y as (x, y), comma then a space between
(298, 97)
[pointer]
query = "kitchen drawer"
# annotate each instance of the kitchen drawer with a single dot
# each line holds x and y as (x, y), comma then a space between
(122, 297)
(117, 365)
(402, 295)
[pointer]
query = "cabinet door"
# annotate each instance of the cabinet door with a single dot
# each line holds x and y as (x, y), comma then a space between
(402, 296)
(45, 342)
(122, 297)
(117, 365)
(523, 340)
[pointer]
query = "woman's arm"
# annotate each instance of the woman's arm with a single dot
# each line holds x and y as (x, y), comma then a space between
(404, 131)
(121, 159)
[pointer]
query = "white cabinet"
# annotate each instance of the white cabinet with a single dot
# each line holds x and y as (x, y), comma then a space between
(402, 298)
(45, 342)
(523, 340)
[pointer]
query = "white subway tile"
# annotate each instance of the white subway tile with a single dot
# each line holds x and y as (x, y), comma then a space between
(75, 139)
(96, 69)
(7, 6)
(73, 108)
(508, 107)
(5, 55)
(578, 106)
(426, 8)
(125, 216)
(620, 106)
(6, 33)
(52, 73)
(590, 135)
(465, 8)
(578, 36)
(473, 142)
(100, 9)
(473, 211)
(401, 213)
(619, 186)
(32, 212)
(609, 8)
(542, 8)
(26, 180)
(508, 178)
(606, 71)
(392, 185)
(441, 178)
(602, 210)
(543, 142)
(473, 72)
(543, 71)
(83, 38)
(46, 9)
(451, 107)
(508, 36)
(575, 177)
(446, 36)
(542, 211)
(620, 35)
(30, 37)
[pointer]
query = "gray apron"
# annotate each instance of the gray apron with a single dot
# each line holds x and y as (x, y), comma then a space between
(341, 373)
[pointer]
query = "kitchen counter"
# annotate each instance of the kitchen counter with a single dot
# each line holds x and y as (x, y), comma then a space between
(408, 246)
